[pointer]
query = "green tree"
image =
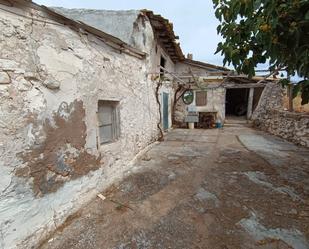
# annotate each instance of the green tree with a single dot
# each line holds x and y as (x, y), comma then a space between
(259, 31)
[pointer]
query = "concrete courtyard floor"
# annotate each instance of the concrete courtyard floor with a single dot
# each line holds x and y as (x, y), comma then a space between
(230, 188)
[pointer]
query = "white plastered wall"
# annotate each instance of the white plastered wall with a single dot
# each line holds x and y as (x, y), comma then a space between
(48, 65)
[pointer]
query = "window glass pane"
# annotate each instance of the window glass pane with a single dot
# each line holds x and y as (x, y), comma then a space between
(105, 115)
(106, 134)
(108, 121)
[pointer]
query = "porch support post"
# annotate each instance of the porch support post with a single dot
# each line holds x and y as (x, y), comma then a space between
(290, 97)
(250, 103)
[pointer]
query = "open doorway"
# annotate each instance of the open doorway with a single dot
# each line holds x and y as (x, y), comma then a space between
(236, 102)
(162, 65)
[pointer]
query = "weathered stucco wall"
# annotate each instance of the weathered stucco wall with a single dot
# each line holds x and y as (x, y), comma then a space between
(270, 116)
(215, 94)
(116, 23)
(131, 26)
(155, 53)
(51, 79)
(215, 103)
(153, 60)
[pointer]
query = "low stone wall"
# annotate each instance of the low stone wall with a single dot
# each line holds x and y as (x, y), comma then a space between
(269, 116)
(291, 126)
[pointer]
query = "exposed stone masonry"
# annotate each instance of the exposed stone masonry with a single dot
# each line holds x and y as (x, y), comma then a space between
(270, 116)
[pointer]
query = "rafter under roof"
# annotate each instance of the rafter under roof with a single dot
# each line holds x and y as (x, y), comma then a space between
(164, 32)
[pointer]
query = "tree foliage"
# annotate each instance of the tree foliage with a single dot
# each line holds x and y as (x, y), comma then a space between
(259, 31)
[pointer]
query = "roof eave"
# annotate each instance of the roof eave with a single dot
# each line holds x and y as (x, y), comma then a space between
(205, 65)
(164, 31)
(110, 40)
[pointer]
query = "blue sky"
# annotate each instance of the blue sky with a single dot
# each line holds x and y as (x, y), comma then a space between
(194, 21)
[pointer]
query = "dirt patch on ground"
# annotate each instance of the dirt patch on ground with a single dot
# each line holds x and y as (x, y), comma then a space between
(213, 193)
(139, 186)
(62, 156)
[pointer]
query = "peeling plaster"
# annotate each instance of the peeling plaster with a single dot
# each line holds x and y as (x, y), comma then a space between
(53, 130)
(47, 162)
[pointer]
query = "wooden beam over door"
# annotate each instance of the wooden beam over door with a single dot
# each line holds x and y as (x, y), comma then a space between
(250, 85)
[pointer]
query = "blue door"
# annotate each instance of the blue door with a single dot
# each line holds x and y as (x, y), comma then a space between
(165, 111)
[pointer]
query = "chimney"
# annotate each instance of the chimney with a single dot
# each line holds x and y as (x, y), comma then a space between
(190, 56)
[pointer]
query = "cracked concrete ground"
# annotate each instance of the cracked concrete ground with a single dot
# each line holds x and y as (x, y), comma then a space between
(228, 188)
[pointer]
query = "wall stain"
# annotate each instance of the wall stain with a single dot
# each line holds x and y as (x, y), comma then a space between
(62, 156)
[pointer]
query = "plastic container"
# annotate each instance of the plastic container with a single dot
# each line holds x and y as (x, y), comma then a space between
(219, 125)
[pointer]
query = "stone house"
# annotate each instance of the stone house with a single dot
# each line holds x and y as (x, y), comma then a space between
(218, 89)
(221, 95)
(77, 104)
(147, 32)
(217, 92)
(82, 93)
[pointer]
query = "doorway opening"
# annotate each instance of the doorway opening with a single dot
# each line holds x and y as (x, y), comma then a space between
(236, 102)
(162, 65)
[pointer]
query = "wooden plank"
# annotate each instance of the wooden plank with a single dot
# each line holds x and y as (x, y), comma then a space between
(171, 51)
(156, 23)
(165, 36)
(251, 85)
(165, 40)
(168, 45)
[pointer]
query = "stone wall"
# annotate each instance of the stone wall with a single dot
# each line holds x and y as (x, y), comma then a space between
(51, 79)
(270, 116)
(291, 126)
(271, 98)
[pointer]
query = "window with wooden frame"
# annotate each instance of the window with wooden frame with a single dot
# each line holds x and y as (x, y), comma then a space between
(201, 98)
(109, 121)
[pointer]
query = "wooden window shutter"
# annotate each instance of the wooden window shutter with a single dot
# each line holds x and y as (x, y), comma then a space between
(201, 98)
